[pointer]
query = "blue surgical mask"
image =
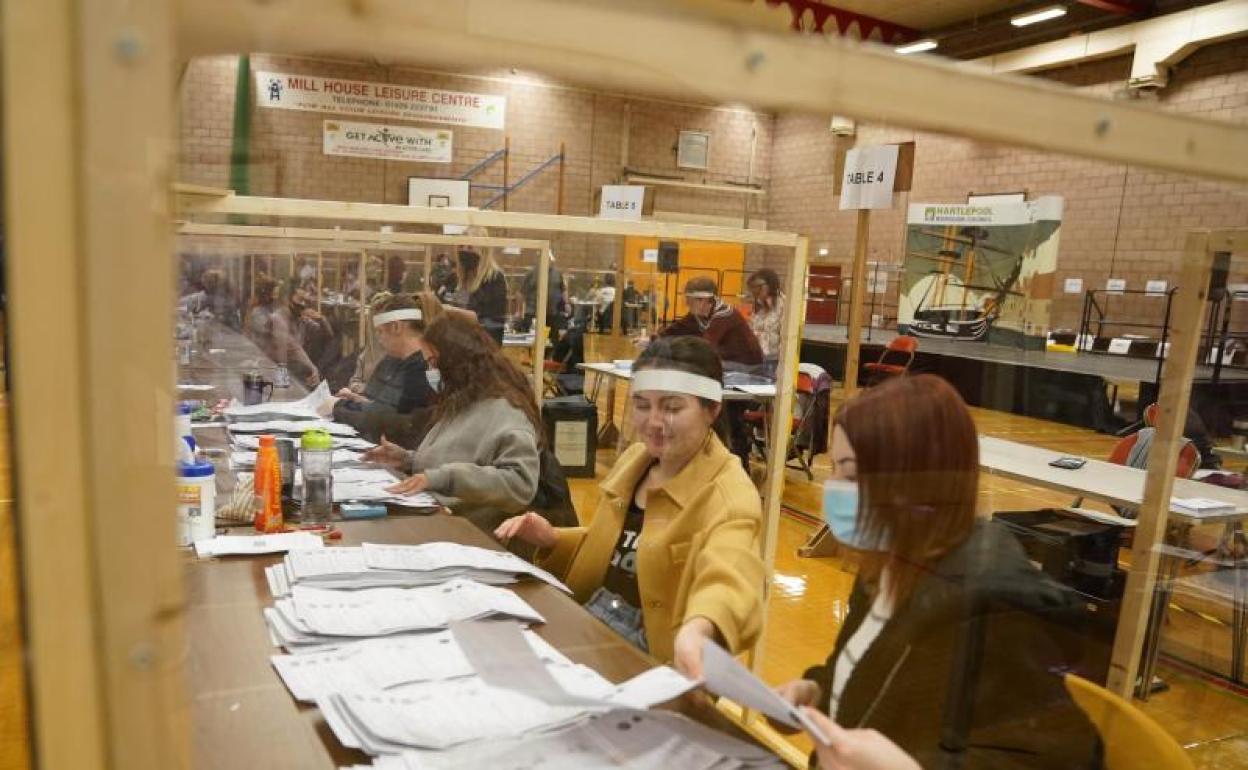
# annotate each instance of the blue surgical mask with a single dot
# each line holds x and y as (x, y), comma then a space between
(840, 511)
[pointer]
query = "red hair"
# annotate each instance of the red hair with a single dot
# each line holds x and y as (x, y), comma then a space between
(917, 456)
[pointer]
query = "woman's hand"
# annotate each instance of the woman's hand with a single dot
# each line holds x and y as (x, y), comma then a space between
(857, 749)
(410, 485)
(350, 395)
(687, 649)
(389, 454)
(326, 407)
(799, 692)
(528, 527)
(313, 379)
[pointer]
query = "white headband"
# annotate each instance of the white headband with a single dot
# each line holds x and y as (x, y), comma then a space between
(700, 294)
(402, 314)
(675, 381)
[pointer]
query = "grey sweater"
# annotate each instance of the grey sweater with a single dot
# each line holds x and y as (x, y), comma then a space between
(482, 463)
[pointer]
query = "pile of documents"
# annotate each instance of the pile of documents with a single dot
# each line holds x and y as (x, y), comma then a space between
(251, 545)
(320, 618)
(399, 566)
(305, 408)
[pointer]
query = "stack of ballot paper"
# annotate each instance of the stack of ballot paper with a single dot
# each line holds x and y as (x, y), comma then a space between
(618, 739)
(347, 568)
(305, 408)
(447, 558)
(381, 664)
(250, 545)
(246, 460)
(251, 441)
(296, 427)
(319, 618)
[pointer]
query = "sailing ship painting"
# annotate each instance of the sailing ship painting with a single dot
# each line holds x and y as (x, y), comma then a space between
(971, 279)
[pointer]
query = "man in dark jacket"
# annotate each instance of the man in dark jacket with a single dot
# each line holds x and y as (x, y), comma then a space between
(968, 672)
(718, 323)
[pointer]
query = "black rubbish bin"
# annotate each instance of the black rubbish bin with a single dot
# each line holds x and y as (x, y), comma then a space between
(571, 424)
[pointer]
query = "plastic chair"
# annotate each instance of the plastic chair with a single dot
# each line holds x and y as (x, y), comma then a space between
(812, 383)
(1132, 740)
(894, 360)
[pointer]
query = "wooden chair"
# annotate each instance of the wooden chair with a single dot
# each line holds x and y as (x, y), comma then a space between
(1132, 740)
(894, 360)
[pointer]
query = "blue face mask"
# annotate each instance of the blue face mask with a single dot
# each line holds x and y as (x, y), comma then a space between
(840, 511)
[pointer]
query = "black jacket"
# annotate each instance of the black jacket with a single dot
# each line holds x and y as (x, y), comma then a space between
(984, 628)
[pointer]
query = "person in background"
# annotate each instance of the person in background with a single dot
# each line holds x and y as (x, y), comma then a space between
(400, 381)
(718, 323)
(396, 272)
(442, 277)
(671, 557)
(605, 297)
(554, 296)
(953, 641)
(312, 330)
(372, 352)
(216, 296)
(272, 329)
(632, 299)
(767, 310)
(480, 458)
(482, 288)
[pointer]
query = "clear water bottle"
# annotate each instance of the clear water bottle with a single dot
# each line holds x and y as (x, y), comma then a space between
(317, 449)
(282, 378)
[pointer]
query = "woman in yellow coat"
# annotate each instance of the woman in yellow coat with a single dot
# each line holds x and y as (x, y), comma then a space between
(672, 555)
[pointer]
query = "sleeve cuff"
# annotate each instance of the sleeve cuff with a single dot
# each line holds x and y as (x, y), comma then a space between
(438, 478)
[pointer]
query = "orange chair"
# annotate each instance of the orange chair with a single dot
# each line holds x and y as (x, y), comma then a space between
(894, 360)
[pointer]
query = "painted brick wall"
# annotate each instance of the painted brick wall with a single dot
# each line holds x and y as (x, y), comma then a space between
(287, 160)
(1120, 222)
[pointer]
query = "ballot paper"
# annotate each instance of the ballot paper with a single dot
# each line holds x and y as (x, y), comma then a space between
(306, 407)
(345, 568)
(723, 675)
(768, 389)
(246, 460)
(619, 739)
(294, 426)
(251, 441)
(444, 555)
(314, 617)
(381, 664)
(195, 386)
(246, 545)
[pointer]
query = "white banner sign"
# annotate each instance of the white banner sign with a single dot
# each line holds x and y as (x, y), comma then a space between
(650, 255)
(378, 100)
(1074, 285)
(1046, 208)
(1155, 288)
(621, 201)
(868, 180)
(1116, 285)
(372, 140)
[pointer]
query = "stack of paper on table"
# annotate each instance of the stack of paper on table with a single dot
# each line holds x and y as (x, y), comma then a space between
(246, 545)
(318, 618)
(613, 740)
(1201, 506)
(447, 558)
(297, 427)
(387, 662)
(306, 407)
(246, 460)
(346, 568)
(251, 441)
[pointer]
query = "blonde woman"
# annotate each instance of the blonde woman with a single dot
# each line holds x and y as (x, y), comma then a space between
(482, 289)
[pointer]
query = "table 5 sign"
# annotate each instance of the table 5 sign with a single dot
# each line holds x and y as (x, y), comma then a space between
(622, 201)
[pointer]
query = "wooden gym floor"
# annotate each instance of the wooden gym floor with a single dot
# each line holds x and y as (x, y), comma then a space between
(809, 596)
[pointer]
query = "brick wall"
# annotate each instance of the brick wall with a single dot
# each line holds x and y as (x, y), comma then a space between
(1120, 222)
(287, 160)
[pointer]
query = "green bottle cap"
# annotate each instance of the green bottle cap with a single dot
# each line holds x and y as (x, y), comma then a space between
(317, 439)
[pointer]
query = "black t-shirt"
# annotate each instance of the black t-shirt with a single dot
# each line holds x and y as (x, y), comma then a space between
(621, 577)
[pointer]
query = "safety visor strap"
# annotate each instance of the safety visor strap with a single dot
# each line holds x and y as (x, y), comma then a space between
(674, 381)
(402, 314)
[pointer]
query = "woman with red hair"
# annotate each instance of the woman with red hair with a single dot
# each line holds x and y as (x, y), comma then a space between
(954, 645)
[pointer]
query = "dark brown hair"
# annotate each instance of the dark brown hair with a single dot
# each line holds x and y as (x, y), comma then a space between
(701, 283)
(771, 279)
(693, 355)
(474, 369)
(917, 456)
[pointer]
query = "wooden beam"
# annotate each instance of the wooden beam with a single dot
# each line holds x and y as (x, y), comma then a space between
(858, 291)
(352, 238)
(392, 213)
(723, 188)
(1150, 528)
(669, 51)
(539, 325)
(780, 427)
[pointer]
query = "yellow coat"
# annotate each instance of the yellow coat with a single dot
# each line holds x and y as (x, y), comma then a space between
(698, 554)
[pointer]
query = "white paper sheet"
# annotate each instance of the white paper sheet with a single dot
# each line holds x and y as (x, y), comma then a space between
(440, 555)
(723, 675)
(304, 407)
(294, 426)
(246, 545)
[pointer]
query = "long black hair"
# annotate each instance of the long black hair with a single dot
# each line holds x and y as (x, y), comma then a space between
(692, 355)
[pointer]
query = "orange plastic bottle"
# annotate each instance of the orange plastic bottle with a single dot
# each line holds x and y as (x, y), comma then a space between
(267, 504)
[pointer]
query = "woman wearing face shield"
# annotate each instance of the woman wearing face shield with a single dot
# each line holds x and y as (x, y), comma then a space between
(954, 644)
(672, 556)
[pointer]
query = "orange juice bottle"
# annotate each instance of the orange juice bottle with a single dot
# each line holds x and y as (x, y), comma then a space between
(267, 503)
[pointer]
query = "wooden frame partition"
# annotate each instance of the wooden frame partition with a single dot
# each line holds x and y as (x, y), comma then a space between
(89, 133)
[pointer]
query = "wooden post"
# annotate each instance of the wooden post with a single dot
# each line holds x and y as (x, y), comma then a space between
(506, 170)
(559, 189)
(320, 278)
(749, 176)
(617, 307)
(780, 432)
(428, 267)
(1150, 528)
(853, 350)
(363, 278)
(539, 325)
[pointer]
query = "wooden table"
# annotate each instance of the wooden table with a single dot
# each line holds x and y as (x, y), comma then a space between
(243, 716)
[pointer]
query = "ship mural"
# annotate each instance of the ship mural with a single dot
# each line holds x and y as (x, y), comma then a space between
(985, 274)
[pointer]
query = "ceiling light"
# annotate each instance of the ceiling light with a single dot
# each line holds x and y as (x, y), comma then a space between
(916, 47)
(1035, 17)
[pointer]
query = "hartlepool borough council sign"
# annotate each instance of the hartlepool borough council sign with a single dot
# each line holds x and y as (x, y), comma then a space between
(378, 100)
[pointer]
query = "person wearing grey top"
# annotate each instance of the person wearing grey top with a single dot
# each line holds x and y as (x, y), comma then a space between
(481, 457)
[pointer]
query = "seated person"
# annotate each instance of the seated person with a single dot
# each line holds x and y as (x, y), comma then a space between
(953, 640)
(718, 323)
(372, 353)
(569, 351)
(605, 297)
(272, 329)
(399, 383)
(672, 555)
(313, 330)
(480, 458)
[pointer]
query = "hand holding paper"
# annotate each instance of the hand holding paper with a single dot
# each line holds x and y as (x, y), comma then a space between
(723, 675)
